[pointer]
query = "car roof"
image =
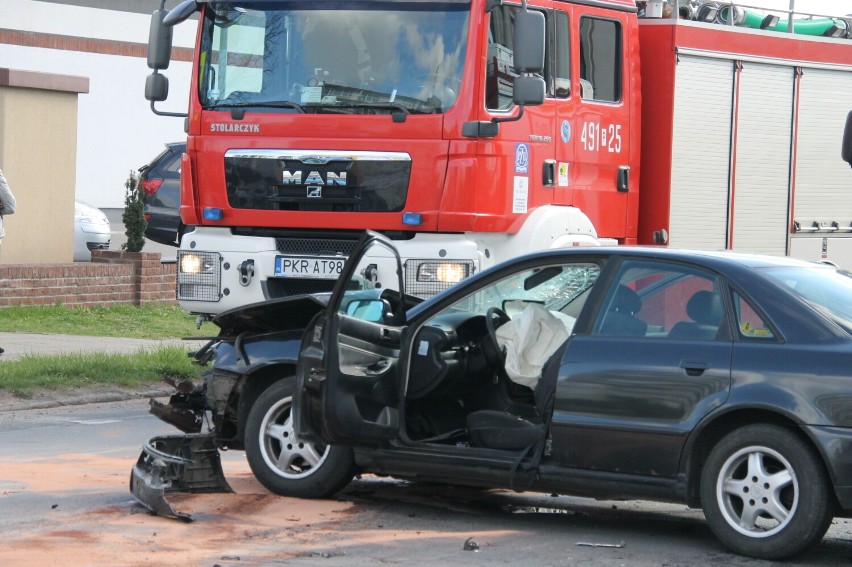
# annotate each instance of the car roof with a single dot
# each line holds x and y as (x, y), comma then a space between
(709, 257)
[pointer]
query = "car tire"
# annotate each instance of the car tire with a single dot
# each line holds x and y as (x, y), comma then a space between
(765, 493)
(281, 462)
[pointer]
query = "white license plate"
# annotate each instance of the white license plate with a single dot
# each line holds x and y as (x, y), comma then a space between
(323, 268)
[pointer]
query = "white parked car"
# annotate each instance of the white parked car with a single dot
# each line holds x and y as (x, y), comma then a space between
(91, 231)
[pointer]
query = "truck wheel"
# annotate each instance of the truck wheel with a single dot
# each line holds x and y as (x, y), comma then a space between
(281, 462)
(765, 493)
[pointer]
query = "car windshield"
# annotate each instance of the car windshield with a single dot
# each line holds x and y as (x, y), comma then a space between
(333, 57)
(826, 288)
(553, 287)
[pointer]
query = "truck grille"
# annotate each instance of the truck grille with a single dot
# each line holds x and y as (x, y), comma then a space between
(315, 246)
(285, 287)
(317, 180)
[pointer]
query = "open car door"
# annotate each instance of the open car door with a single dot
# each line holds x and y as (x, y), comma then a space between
(348, 390)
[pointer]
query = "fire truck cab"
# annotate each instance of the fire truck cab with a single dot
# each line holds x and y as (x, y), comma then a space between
(471, 131)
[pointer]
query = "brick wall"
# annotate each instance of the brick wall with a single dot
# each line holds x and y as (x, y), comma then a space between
(111, 277)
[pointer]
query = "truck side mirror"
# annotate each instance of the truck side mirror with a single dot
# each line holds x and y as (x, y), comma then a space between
(846, 149)
(156, 87)
(528, 90)
(159, 42)
(528, 55)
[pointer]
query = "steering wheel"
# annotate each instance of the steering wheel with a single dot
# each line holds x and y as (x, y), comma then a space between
(494, 354)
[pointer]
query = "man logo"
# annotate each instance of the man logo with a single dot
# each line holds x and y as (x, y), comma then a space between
(314, 178)
(315, 192)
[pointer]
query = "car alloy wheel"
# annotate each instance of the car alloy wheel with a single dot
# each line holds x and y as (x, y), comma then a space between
(757, 491)
(285, 464)
(282, 451)
(765, 492)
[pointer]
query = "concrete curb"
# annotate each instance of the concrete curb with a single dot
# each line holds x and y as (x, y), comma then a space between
(12, 404)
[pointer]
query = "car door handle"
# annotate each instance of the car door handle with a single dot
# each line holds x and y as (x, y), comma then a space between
(694, 367)
(389, 335)
(378, 367)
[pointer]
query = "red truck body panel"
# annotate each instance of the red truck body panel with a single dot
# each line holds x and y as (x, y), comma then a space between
(661, 41)
(457, 184)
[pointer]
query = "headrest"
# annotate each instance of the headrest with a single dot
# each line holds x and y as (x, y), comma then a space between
(626, 301)
(704, 308)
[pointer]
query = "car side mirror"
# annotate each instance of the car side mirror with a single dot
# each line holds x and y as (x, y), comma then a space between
(372, 310)
(846, 149)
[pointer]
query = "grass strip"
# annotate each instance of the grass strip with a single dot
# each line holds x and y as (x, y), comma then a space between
(143, 322)
(30, 374)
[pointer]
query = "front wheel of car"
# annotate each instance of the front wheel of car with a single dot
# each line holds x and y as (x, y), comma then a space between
(285, 464)
(765, 493)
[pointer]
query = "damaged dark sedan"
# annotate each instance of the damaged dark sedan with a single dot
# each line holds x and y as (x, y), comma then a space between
(717, 380)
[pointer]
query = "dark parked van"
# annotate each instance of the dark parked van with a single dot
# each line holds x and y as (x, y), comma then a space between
(160, 183)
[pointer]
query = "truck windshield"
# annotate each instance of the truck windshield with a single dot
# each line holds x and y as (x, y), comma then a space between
(333, 56)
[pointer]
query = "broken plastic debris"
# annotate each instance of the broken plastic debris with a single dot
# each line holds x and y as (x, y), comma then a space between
(470, 545)
(588, 544)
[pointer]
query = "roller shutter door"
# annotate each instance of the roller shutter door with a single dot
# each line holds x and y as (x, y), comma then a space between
(762, 178)
(701, 153)
(823, 181)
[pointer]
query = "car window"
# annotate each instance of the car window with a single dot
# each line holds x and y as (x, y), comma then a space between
(172, 164)
(750, 325)
(662, 300)
(826, 288)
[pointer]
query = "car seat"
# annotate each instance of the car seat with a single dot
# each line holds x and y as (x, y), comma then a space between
(496, 429)
(620, 319)
(705, 310)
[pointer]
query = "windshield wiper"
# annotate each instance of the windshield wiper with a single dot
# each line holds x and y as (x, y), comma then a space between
(396, 108)
(239, 106)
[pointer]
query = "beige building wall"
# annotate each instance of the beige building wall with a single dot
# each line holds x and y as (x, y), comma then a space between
(38, 156)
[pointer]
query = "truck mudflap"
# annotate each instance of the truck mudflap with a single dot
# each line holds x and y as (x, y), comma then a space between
(176, 463)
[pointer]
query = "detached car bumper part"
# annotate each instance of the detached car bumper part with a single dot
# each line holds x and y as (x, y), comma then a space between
(176, 463)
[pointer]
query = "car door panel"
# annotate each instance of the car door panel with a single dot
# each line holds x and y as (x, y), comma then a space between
(633, 388)
(635, 409)
(348, 389)
(366, 349)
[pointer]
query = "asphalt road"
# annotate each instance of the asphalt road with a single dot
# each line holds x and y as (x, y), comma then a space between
(65, 500)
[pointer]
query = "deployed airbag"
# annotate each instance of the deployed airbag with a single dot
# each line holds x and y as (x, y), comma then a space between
(530, 339)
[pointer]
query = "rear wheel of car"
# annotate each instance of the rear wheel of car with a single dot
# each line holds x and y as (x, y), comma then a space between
(284, 464)
(765, 493)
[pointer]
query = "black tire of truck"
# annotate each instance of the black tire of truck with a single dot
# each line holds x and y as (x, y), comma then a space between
(284, 464)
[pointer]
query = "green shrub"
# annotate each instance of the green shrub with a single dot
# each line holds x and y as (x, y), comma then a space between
(133, 216)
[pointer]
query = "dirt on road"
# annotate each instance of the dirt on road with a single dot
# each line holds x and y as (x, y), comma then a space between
(252, 526)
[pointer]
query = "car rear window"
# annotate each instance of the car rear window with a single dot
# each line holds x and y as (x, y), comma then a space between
(827, 288)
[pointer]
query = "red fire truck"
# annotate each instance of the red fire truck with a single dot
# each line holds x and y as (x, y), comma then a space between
(470, 131)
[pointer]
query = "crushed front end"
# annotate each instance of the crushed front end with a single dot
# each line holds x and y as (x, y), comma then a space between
(178, 463)
(256, 345)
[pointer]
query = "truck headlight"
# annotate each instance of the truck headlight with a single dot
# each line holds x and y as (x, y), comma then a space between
(442, 272)
(199, 276)
(425, 278)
